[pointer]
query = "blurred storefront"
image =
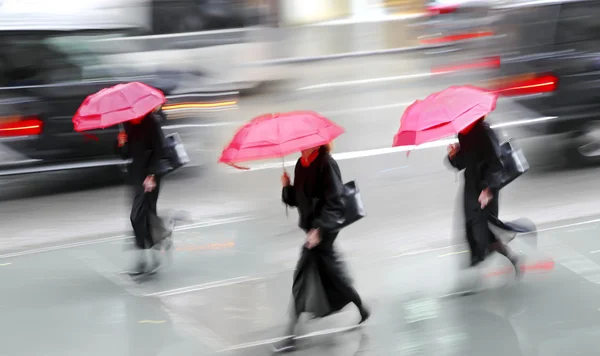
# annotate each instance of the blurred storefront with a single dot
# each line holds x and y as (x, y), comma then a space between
(297, 12)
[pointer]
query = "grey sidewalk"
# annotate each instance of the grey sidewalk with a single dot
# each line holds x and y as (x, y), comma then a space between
(228, 289)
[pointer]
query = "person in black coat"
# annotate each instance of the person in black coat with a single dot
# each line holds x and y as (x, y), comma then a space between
(143, 142)
(317, 193)
(476, 154)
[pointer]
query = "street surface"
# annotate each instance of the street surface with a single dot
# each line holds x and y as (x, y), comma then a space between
(66, 241)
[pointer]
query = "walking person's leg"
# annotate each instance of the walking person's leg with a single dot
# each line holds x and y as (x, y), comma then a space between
(151, 201)
(139, 223)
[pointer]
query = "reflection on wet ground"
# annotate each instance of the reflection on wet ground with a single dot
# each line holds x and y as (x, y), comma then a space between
(234, 300)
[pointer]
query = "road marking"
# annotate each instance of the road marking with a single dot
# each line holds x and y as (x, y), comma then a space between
(351, 155)
(209, 223)
(367, 81)
(152, 321)
(204, 286)
(272, 341)
(453, 253)
(5, 264)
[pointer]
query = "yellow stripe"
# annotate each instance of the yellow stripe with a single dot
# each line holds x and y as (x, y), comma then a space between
(199, 105)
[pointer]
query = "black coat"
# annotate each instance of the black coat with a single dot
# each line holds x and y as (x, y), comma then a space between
(479, 158)
(145, 147)
(317, 194)
(322, 284)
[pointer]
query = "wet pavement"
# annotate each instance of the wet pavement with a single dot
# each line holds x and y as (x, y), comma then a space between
(227, 290)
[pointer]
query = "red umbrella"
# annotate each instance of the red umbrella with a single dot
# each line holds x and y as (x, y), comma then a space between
(116, 105)
(443, 114)
(278, 135)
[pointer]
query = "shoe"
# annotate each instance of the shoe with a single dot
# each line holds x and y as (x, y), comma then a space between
(286, 345)
(155, 264)
(141, 264)
(365, 314)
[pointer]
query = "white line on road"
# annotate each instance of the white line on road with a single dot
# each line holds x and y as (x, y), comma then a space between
(307, 336)
(204, 286)
(367, 81)
(209, 223)
(352, 155)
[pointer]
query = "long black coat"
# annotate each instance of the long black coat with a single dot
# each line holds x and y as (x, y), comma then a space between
(145, 147)
(322, 284)
(478, 157)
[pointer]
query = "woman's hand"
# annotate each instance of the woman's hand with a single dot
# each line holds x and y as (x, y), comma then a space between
(313, 238)
(285, 179)
(485, 197)
(453, 149)
(149, 184)
(122, 139)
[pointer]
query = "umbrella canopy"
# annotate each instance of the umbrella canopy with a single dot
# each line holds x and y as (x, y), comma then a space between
(278, 135)
(443, 114)
(116, 105)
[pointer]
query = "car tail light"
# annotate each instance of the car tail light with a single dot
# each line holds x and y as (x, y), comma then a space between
(441, 9)
(527, 85)
(20, 126)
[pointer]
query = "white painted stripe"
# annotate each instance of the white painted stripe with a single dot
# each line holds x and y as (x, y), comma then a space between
(350, 155)
(525, 122)
(209, 223)
(204, 286)
(307, 336)
(367, 81)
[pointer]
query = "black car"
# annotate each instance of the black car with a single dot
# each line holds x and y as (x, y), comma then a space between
(550, 65)
(44, 77)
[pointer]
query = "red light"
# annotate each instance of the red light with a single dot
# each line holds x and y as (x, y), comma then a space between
(537, 85)
(442, 9)
(27, 126)
(459, 37)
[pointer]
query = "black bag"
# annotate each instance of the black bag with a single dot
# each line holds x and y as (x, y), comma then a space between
(354, 208)
(513, 162)
(175, 155)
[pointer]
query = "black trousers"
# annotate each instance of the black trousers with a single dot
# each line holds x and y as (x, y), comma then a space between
(144, 204)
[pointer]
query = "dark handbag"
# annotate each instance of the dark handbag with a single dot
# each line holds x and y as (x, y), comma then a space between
(175, 155)
(354, 208)
(514, 163)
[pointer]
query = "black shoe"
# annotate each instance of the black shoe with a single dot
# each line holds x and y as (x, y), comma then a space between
(139, 269)
(286, 345)
(365, 314)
